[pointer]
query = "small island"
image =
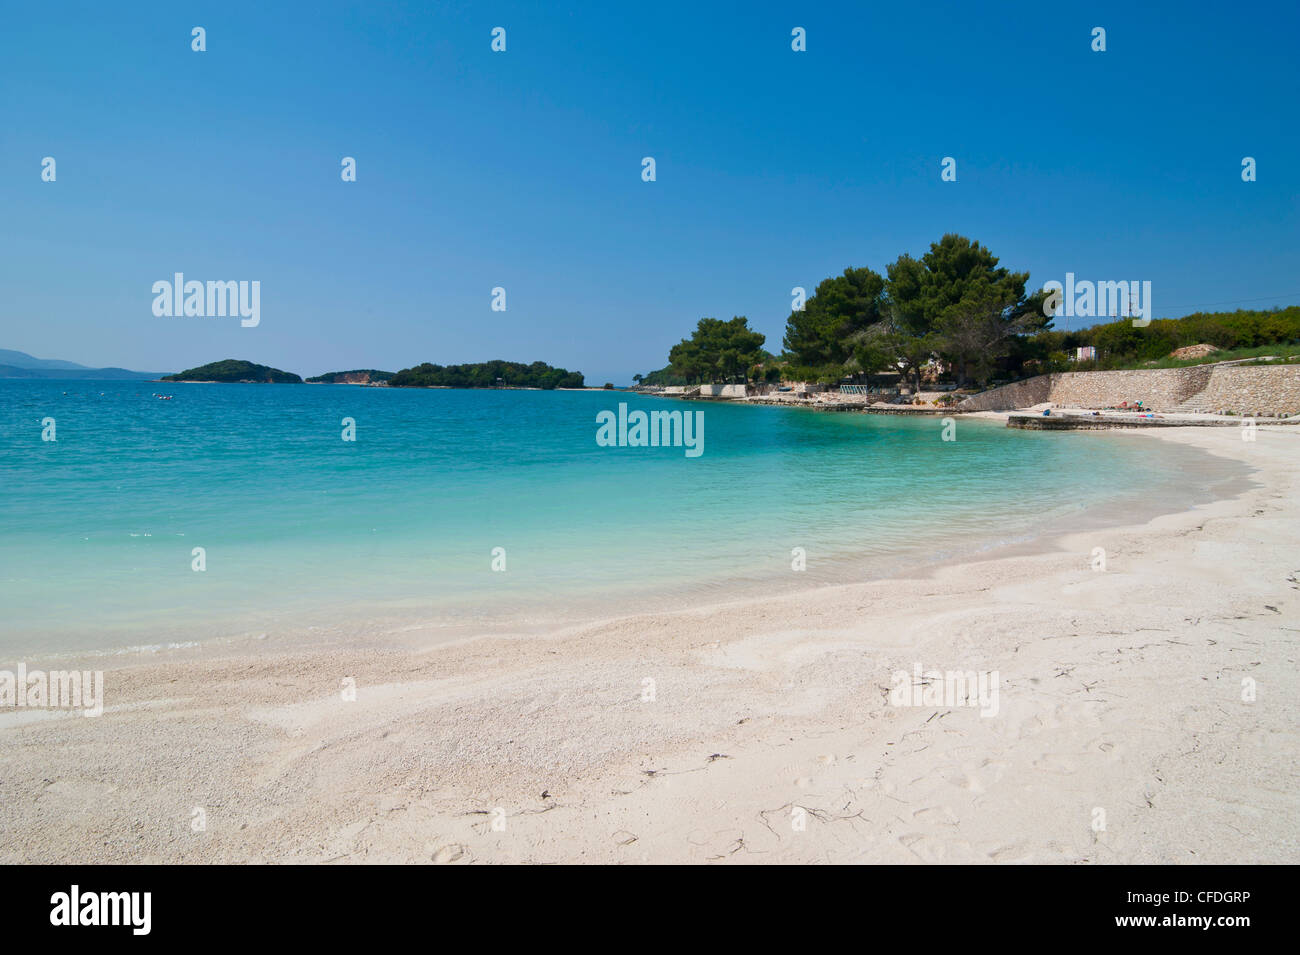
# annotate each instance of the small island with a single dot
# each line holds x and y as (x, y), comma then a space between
(488, 374)
(236, 370)
(360, 376)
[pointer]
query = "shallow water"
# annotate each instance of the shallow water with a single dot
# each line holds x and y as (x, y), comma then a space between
(303, 529)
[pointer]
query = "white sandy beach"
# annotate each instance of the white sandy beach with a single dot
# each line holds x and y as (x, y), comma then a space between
(1120, 690)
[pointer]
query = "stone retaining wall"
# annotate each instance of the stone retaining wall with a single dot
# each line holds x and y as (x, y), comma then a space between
(1244, 389)
(1020, 394)
(1254, 389)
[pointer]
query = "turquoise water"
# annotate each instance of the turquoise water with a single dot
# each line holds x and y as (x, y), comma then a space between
(304, 530)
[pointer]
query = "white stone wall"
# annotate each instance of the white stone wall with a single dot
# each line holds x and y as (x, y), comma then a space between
(722, 391)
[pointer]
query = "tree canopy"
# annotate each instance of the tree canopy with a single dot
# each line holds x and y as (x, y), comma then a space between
(235, 370)
(488, 374)
(718, 351)
(958, 302)
(841, 307)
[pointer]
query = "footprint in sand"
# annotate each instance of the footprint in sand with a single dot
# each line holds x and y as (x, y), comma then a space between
(448, 854)
(1052, 763)
(1012, 853)
(963, 780)
(936, 816)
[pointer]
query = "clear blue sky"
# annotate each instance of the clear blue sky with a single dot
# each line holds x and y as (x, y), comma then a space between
(523, 169)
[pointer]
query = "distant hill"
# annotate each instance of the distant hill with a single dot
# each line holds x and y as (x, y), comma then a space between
(487, 374)
(236, 370)
(20, 359)
(9, 371)
(17, 364)
(361, 376)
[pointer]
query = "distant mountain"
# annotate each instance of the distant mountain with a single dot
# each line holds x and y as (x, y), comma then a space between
(20, 359)
(236, 370)
(17, 364)
(361, 376)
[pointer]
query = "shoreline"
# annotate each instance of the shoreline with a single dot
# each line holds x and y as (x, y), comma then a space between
(1063, 417)
(385, 626)
(1118, 691)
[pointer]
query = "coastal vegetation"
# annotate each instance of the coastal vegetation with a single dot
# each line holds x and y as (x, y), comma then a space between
(957, 314)
(718, 351)
(955, 303)
(1234, 335)
(488, 374)
(235, 370)
(667, 376)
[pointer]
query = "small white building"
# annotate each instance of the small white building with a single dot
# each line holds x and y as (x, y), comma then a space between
(1086, 353)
